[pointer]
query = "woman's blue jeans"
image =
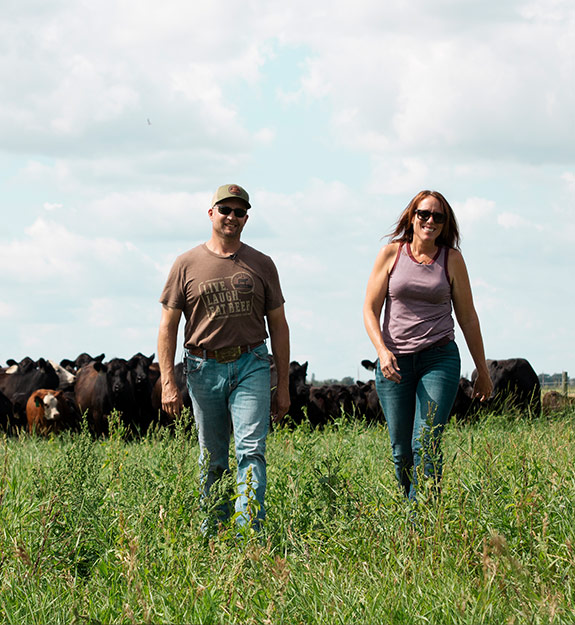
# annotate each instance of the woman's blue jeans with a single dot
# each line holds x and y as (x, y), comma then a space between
(226, 397)
(417, 409)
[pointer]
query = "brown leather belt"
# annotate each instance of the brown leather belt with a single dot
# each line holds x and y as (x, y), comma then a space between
(225, 354)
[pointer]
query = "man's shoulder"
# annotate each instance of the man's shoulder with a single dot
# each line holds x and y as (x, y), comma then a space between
(250, 251)
(191, 254)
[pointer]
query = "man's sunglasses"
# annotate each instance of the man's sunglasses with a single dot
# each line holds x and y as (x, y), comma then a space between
(438, 218)
(226, 210)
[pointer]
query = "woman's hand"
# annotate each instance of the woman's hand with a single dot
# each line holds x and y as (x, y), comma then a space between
(389, 367)
(483, 387)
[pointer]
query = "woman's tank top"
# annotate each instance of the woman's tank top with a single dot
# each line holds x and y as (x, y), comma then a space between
(418, 303)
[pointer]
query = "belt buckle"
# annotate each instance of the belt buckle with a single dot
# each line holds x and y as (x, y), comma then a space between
(228, 354)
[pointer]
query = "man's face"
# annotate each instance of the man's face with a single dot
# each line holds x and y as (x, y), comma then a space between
(229, 226)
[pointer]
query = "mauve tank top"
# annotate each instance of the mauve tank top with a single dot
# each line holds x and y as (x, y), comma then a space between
(418, 303)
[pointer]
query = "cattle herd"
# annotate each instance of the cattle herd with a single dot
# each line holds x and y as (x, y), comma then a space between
(43, 396)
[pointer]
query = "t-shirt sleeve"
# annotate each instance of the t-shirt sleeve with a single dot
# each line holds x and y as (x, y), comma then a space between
(173, 294)
(274, 295)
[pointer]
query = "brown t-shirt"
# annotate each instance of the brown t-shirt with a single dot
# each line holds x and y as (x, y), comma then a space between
(224, 298)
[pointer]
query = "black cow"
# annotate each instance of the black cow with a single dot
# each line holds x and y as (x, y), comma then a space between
(322, 407)
(516, 386)
(103, 387)
(160, 416)
(366, 402)
(73, 366)
(141, 381)
(465, 407)
(298, 392)
(6, 413)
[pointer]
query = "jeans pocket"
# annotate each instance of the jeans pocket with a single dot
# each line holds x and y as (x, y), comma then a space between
(261, 353)
(193, 364)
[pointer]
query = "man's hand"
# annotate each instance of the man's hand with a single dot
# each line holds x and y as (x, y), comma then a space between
(172, 402)
(280, 404)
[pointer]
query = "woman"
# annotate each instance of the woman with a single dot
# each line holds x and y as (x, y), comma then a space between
(419, 275)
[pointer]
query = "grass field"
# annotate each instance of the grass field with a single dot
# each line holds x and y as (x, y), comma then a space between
(108, 531)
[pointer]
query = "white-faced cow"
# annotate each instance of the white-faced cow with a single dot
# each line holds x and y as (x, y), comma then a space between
(48, 411)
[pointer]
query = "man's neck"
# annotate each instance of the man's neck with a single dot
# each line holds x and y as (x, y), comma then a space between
(223, 247)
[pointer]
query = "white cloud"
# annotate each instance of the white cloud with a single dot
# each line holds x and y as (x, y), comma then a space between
(50, 206)
(474, 209)
(398, 176)
(569, 178)
(512, 220)
(102, 312)
(7, 311)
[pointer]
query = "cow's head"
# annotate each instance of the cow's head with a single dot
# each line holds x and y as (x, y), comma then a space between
(66, 378)
(50, 405)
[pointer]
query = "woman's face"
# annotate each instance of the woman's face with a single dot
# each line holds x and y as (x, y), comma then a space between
(427, 229)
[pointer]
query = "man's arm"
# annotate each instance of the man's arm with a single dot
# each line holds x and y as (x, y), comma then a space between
(279, 336)
(167, 338)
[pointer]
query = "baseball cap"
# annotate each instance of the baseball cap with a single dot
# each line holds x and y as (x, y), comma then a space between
(231, 190)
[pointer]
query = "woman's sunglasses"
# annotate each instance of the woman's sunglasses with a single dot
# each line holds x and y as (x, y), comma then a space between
(226, 210)
(438, 218)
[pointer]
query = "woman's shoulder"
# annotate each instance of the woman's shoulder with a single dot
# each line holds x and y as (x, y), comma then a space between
(454, 256)
(386, 257)
(455, 264)
(390, 250)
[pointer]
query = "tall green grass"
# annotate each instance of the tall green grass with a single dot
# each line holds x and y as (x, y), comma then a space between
(108, 531)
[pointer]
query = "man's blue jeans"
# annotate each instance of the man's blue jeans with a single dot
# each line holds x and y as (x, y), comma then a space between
(233, 395)
(417, 409)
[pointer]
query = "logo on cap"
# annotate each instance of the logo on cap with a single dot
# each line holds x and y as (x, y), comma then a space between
(234, 189)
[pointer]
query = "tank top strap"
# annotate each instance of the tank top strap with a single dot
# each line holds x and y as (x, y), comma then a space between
(445, 260)
(396, 258)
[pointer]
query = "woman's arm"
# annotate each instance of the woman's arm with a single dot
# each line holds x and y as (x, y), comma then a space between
(469, 322)
(373, 305)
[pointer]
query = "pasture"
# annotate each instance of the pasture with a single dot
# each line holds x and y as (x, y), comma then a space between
(107, 531)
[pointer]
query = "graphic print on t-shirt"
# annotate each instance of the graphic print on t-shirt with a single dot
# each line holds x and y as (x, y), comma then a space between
(228, 297)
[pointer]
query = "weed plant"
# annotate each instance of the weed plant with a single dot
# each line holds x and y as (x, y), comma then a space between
(108, 530)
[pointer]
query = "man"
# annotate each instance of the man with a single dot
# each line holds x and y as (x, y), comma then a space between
(227, 290)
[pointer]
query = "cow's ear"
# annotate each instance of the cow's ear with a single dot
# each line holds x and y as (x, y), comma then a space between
(100, 358)
(37, 402)
(151, 359)
(368, 364)
(11, 362)
(99, 366)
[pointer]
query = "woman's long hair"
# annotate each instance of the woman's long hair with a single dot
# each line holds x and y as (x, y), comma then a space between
(403, 232)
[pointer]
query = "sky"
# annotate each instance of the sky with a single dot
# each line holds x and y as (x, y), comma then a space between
(120, 118)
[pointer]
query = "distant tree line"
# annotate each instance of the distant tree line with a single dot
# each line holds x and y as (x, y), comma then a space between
(546, 379)
(346, 381)
(553, 379)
